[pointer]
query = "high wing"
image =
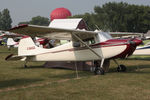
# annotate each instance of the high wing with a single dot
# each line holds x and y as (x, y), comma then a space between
(52, 33)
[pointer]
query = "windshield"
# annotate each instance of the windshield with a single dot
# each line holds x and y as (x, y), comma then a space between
(104, 36)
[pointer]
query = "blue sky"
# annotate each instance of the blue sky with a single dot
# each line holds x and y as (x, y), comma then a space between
(24, 10)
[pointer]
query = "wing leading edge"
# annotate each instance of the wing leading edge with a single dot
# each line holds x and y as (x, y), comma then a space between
(52, 33)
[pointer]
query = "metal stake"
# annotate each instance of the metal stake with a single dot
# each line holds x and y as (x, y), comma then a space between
(76, 69)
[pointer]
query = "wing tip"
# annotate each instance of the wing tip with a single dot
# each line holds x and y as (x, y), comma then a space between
(19, 26)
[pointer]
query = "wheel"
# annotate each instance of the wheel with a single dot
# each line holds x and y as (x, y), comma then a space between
(99, 71)
(25, 66)
(121, 68)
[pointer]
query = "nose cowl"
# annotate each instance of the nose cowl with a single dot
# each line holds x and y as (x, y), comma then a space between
(132, 44)
(137, 42)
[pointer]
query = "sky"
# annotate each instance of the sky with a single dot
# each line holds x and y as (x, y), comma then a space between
(24, 10)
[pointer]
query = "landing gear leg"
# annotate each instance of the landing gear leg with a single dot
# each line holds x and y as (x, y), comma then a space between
(99, 68)
(120, 68)
(25, 65)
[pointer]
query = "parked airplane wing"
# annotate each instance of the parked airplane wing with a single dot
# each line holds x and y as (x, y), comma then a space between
(50, 32)
(124, 34)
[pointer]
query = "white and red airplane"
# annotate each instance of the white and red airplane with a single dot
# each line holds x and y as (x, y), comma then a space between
(84, 45)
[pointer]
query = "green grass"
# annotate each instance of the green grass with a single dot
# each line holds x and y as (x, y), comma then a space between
(145, 42)
(39, 83)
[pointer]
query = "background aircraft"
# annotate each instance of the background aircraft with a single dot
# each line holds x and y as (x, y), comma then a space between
(12, 40)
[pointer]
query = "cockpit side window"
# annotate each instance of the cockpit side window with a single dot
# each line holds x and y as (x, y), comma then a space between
(103, 36)
(89, 41)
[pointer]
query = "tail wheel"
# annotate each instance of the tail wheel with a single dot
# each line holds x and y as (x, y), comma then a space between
(99, 71)
(121, 68)
(25, 66)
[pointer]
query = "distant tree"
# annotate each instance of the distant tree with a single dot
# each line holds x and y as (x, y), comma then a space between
(40, 21)
(24, 23)
(123, 17)
(6, 20)
(111, 16)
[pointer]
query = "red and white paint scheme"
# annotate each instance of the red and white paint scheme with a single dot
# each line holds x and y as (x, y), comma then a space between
(42, 42)
(83, 46)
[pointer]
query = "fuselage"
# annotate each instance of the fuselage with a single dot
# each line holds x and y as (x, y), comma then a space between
(98, 47)
(112, 48)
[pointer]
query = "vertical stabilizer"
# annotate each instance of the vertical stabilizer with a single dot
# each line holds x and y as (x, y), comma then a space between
(27, 47)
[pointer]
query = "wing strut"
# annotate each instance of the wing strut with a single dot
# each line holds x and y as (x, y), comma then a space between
(101, 57)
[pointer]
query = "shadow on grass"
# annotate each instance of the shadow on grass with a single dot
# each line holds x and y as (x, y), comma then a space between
(17, 82)
(29, 67)
(5, 52)
(41, 66)
(134, 69)
(139, 58)
(72, 75)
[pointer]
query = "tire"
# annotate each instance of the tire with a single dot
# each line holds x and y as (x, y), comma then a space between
(99, 71)
(121, 68)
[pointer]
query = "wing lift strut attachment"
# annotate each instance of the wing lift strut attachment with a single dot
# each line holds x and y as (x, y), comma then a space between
(99, 67)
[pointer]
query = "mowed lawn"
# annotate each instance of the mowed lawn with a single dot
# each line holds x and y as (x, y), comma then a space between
(39, 83)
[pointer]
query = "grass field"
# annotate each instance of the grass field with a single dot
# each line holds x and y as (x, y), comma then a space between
(39, 83)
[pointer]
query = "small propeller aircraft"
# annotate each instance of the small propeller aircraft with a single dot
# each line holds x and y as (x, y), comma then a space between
(83, 45)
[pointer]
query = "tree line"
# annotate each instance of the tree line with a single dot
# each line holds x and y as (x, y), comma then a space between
(112, 16)
(38, 20)
(121, 17)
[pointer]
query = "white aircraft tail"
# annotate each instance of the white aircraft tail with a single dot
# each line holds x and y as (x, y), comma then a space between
(28, 48)
(11, 42)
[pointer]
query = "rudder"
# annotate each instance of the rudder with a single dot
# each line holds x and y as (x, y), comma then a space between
(26, 47)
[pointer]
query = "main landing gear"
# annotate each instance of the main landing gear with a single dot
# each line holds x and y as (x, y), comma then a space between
(99, 69)
(120, 68)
